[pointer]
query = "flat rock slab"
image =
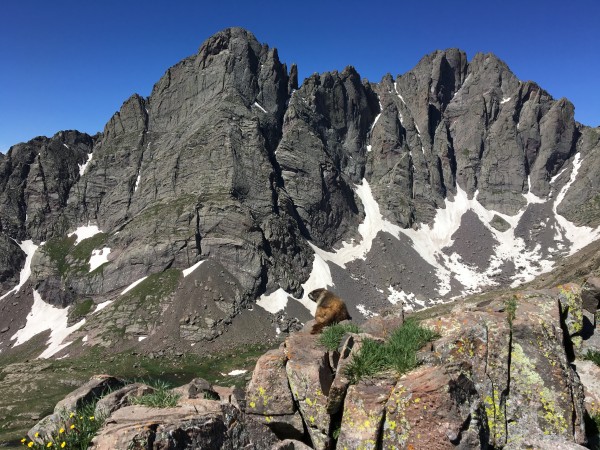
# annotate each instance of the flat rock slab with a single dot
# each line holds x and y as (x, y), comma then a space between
(197, 423)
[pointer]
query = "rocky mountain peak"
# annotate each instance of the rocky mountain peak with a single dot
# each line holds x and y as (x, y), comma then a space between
(231, 186)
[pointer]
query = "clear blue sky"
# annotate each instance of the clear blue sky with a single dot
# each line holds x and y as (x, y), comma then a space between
(67, 64)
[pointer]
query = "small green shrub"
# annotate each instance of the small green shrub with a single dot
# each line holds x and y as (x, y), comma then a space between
(162, 397)
(594, 356)
(332, 335)
(399, 353)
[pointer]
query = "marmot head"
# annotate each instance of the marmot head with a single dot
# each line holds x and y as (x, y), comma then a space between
(314, 295)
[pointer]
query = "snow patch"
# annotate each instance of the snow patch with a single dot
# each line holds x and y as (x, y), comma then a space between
(85, 232)
(505, 100)
(369, 147)
(83, 166)
(257, 105)
(189, 270)
(378, 115)
(29, 248)
(398, 93)
(406, 299)
(43, 316)
(99, 257)
(578, 236)
(235, 373)
(137, 182)
(273, 302)
(131, 286)
(530, 196)
(102, 305)
(366, 312)
(141, 338)
(85, 338)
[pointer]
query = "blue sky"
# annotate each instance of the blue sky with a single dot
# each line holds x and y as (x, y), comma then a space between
(70, 64)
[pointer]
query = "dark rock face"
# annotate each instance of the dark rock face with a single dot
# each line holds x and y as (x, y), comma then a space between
(35, 183)
(229, 161)
(11, 259)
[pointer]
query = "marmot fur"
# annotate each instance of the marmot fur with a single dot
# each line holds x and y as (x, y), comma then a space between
(330, 309)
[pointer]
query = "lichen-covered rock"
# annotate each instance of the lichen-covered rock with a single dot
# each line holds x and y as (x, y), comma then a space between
(571, 306)
(310, 378)
(429, 396)
(268, 392)
(511, 352)
(364, 409)
(269, 399)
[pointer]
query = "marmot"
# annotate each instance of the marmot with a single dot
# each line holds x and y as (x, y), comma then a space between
(330, 309)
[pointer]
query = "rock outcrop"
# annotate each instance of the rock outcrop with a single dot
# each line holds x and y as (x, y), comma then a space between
(500, 373)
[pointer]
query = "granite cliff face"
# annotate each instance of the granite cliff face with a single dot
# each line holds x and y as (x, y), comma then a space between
(230, 183)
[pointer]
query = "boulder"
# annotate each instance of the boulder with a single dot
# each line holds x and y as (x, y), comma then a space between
(590, 294)
(268, 392)
(93, 389)
(197, 423)
(310, 378)
(197, 388)
(120, 398)
(364, 412)
(571, 306)
(269, 399)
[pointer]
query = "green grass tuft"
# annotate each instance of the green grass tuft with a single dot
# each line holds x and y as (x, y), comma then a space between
(332, 335)
(594, 356)
(162, 397)
(399, 353)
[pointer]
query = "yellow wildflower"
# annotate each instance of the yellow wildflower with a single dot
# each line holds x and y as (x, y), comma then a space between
(71, 415)
(61, 431)
(49, 444)
(37, 434)
(91, 417)
(63, 444)
(23, 440)
(72, 427)
(30, 444)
